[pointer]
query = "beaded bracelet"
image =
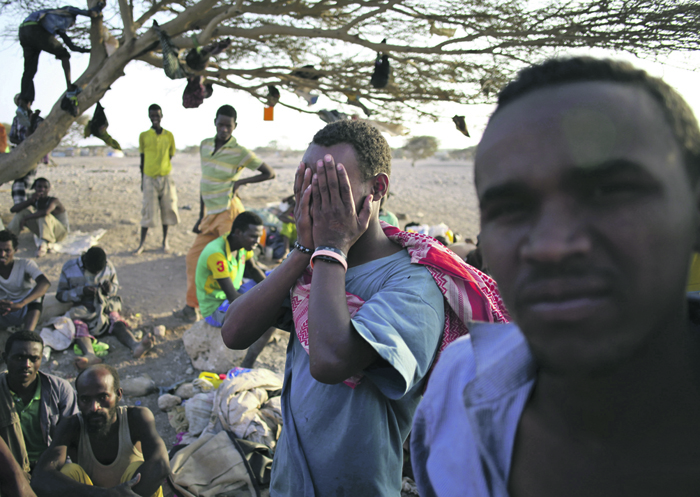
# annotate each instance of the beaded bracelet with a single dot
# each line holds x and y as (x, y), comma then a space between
(302, 249)
(325, 255)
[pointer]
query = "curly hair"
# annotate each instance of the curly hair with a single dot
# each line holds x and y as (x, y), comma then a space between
(8, 236)
(245, 219)
(554, 72)
(371, 149)
(22, 336)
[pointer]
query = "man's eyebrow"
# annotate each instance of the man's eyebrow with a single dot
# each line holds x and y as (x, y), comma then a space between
(508, 189)
(609, 168)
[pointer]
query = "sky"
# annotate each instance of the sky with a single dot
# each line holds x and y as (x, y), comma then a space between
(126, 104)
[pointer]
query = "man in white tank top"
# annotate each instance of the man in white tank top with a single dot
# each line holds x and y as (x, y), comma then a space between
(113, 447)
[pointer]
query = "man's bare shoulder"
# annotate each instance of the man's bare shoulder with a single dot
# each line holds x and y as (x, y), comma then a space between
(140, 419)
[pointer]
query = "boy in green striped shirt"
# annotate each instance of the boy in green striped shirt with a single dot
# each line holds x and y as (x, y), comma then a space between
(223, 161)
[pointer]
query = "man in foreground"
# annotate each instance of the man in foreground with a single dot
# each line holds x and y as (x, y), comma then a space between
(111, 447)
(587, 178)
(223, 161)
(20, 302)
(220, 273)
(31, 402)
(367, 323)
(157, 147)
(90, 283)
(45, 216)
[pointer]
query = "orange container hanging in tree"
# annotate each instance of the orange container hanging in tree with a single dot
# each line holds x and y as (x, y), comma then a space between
(269, 114)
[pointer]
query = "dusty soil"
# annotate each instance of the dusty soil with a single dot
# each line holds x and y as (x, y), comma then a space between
(103, 192)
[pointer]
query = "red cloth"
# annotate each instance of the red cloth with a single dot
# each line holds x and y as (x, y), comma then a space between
(470, 295)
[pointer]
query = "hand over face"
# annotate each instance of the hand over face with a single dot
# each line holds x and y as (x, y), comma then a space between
(302, 207)
(336, 222)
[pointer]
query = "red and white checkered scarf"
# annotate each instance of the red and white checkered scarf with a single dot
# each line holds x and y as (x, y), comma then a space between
(470, 295)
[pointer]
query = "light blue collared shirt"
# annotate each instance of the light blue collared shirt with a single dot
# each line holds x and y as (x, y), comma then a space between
(464, 429)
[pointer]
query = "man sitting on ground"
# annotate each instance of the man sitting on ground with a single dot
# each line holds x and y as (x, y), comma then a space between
(31, 402)
(90, 283)
(20, 302)
(587, 177)
(220, 271)
(111, 447)
(44, 216)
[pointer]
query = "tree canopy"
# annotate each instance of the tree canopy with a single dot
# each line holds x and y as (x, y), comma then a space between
(442, 50)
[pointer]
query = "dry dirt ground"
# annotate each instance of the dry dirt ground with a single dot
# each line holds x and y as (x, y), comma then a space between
(103, 192)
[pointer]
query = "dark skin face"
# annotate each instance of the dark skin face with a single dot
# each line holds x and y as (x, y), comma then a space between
(583, 193)
(23, 361)
(41, 189)
(98, 401)
(247, 239)
(224, 128)
(7, 254)
(155, 116)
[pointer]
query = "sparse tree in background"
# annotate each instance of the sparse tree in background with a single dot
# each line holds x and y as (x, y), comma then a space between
(443, 50)
(421, 147)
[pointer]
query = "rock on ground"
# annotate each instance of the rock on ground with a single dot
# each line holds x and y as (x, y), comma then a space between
(207, 351)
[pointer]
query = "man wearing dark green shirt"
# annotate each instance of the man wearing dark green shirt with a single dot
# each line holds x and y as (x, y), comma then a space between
(31, 402)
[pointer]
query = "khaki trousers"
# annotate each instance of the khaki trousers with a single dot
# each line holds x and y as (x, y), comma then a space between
(48, 228)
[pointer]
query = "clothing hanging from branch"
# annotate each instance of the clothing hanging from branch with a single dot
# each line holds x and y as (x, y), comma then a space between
(380, 76)
(171, 62)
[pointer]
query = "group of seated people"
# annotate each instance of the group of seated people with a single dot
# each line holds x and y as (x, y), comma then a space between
(65, 440)
(587, 176)
(88, 283)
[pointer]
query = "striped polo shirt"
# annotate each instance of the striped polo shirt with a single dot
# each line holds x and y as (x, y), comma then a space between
(219, 171)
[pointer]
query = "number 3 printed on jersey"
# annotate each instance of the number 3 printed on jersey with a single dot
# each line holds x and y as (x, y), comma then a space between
(220, 266)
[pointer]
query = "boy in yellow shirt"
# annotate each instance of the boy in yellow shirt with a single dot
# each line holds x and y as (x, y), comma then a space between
(157, 147)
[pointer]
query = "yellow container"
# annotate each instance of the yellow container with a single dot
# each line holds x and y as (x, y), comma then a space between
(213, 378)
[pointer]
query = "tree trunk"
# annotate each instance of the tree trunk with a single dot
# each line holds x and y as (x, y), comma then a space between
(102, 71)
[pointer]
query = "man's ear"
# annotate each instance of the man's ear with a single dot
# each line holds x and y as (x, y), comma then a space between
(120, 393)
(380, 186)
(234, 125)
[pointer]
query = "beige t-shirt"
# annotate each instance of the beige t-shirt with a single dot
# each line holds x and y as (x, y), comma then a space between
(19, 284)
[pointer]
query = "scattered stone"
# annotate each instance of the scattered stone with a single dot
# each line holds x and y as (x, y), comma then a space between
(189, 370)
(138, 386)
(167, 402)
(159, 331)
(207, 351)
(138, 335)
(185, 391)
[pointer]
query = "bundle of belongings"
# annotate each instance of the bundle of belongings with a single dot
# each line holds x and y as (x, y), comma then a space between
(97, 127)
(171, 61)
(234, 453)
(195, 92)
